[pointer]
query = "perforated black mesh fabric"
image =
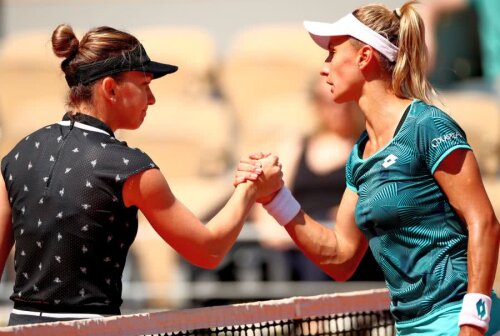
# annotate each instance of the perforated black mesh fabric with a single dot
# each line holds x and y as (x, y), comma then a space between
(72, 230)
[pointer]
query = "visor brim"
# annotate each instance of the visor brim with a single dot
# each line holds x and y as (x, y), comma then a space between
(322, 32)
(349, 25)
(160, 69)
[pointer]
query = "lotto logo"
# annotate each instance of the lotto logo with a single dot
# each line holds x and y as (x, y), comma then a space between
(389, 160)
(481, 309)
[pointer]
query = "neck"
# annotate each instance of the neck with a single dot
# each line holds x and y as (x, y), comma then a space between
(383, 112)
(94, 111)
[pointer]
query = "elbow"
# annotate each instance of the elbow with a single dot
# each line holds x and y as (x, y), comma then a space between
(206, 265)
(488, 228)
(341, 277)
(341, 274)
(341, 269)
(482, 230)
(209, 254)
(210, 262)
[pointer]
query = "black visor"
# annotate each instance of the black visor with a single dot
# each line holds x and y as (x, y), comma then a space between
(134, 60)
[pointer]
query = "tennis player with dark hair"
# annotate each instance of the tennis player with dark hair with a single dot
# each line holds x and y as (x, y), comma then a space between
(414, 191)
(71, 191)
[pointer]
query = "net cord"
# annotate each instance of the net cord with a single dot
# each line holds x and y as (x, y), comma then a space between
(300, 307)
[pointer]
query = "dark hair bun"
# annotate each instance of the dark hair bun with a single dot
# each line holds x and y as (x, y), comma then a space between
(64, 41)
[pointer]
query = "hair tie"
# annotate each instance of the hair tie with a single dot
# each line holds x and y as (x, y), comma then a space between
(397, 12)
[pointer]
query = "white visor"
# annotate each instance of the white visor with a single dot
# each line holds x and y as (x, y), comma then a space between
(349, 25)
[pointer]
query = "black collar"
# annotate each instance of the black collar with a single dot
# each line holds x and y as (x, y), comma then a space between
(87, 120)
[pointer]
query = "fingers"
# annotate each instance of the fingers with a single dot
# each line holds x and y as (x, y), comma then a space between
(251, 167)
(259, 155)
(270, 160)
(242, 177)
(271, 167)
(257, 160)
(270, 181)
(238, 180)
(247, 170)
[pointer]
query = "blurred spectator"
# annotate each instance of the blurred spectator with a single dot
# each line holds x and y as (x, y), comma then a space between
(314, 166)
(486, 11)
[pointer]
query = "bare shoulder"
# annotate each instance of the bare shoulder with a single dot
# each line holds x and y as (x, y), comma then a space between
(145, 187)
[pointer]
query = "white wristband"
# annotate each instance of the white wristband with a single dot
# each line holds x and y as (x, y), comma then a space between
(476, 309)
(284, 207)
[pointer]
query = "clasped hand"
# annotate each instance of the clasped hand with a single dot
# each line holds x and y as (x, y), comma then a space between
(264, 170)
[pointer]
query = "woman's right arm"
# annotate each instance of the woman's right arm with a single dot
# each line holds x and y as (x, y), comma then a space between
(6, 232)
(336, 251)
(204, 245)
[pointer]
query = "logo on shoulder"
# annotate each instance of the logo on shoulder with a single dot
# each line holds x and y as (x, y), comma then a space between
(389, 160)
(445, 138)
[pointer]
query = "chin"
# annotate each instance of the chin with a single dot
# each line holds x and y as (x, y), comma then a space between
(135, 127)
(132, 127)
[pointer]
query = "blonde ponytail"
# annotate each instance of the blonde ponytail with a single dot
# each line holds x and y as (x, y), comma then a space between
(405, 29)
(409, 76)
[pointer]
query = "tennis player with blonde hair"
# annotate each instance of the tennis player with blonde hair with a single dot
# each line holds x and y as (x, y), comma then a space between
(414, 192)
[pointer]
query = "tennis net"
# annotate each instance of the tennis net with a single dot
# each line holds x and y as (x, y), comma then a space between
(347, 314)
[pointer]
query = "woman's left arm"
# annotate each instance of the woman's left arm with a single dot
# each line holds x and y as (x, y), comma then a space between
(459, 177)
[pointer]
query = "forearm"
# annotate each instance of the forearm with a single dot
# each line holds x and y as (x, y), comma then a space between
(483, 256)
(225, 227)
(481, 264)
(336, 256)
(314, 239)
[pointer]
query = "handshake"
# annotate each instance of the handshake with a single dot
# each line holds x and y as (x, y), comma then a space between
(264, 173)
